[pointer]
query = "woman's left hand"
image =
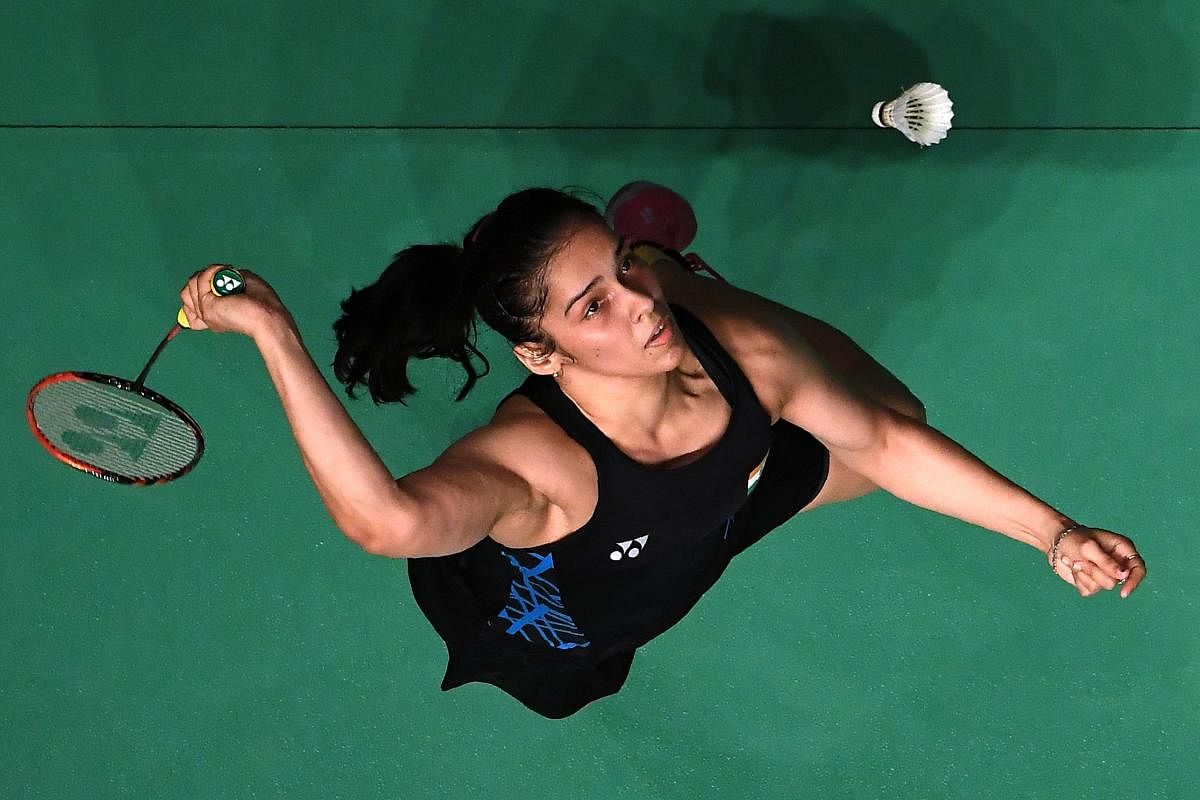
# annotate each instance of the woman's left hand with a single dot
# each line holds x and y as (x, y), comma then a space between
(1091, 559)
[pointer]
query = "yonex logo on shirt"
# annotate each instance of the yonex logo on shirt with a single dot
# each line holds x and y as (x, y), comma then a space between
(631, 548)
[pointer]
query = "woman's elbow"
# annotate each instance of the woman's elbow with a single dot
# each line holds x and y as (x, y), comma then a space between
(412, 530)
(387, 546)
(390, 538)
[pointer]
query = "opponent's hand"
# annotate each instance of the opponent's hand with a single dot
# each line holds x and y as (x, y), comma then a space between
(246, 313)
(1091, 559)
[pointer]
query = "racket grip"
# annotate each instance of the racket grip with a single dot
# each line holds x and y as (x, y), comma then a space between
(224, 282)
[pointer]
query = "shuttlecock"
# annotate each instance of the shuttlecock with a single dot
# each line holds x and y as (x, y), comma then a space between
(922, 113)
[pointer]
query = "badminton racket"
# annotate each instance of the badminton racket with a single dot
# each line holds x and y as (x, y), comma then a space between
(116, 429)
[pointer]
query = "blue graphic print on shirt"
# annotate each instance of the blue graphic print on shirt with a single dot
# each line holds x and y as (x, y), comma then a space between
(535, 606)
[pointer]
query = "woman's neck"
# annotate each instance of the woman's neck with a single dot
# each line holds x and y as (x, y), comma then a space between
(636, 410)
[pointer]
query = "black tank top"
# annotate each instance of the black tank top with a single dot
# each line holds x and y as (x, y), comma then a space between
(556, 625)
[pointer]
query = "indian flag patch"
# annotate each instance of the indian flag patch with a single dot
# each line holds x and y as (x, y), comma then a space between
(756, 473)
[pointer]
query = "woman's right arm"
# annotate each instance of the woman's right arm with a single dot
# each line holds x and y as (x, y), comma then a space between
(442, 509)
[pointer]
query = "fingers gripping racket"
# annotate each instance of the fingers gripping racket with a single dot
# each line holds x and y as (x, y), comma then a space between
(116, 429)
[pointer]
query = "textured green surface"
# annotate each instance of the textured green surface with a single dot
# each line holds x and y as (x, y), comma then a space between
(538, 62)
(217, 637)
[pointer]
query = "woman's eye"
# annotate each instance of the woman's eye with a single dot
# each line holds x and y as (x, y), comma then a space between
(591, 309)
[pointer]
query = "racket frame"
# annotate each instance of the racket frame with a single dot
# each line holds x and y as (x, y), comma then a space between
(125, 385)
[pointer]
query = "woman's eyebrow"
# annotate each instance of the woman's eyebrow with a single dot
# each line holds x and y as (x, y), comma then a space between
(588, 288)
(575, 299)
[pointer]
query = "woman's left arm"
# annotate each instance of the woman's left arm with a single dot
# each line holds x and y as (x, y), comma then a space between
(923, 466)
(900, 454)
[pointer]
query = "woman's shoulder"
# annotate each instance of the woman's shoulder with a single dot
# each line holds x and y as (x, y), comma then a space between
(522, 440)
(739, 319)
(755, 331)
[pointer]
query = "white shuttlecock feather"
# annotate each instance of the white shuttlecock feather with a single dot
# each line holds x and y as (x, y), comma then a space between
(922, 113)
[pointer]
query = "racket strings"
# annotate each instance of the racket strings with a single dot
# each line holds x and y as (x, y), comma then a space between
(114, 429)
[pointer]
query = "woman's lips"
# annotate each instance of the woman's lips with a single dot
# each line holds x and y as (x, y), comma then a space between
(662, 335)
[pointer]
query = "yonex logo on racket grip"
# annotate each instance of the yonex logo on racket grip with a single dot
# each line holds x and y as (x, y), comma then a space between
(224, 283)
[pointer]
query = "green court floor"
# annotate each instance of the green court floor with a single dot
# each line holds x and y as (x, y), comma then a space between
(1033, 279)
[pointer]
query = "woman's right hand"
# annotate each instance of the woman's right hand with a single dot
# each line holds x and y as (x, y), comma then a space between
(248, 313)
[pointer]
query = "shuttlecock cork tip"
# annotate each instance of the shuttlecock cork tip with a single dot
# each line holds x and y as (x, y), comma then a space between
(877, 115)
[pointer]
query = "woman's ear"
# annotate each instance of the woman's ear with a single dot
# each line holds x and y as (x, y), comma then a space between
(536, 359)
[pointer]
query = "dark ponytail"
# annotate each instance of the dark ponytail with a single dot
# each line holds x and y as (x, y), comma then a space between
(419, 308)
(424, 304)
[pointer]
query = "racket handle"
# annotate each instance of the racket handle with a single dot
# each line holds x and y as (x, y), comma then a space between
(224, 282)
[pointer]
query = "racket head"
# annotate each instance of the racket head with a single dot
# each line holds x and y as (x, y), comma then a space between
(112, 428)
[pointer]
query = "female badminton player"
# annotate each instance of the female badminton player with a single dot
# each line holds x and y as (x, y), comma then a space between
(669, 422)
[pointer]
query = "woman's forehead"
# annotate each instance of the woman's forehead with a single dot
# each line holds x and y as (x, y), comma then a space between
(587, 252)
(588, 239)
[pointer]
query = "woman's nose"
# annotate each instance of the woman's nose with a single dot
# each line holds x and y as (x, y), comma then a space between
(641, 304)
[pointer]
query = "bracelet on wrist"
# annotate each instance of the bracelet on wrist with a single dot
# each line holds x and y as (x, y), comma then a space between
(1052, 556)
